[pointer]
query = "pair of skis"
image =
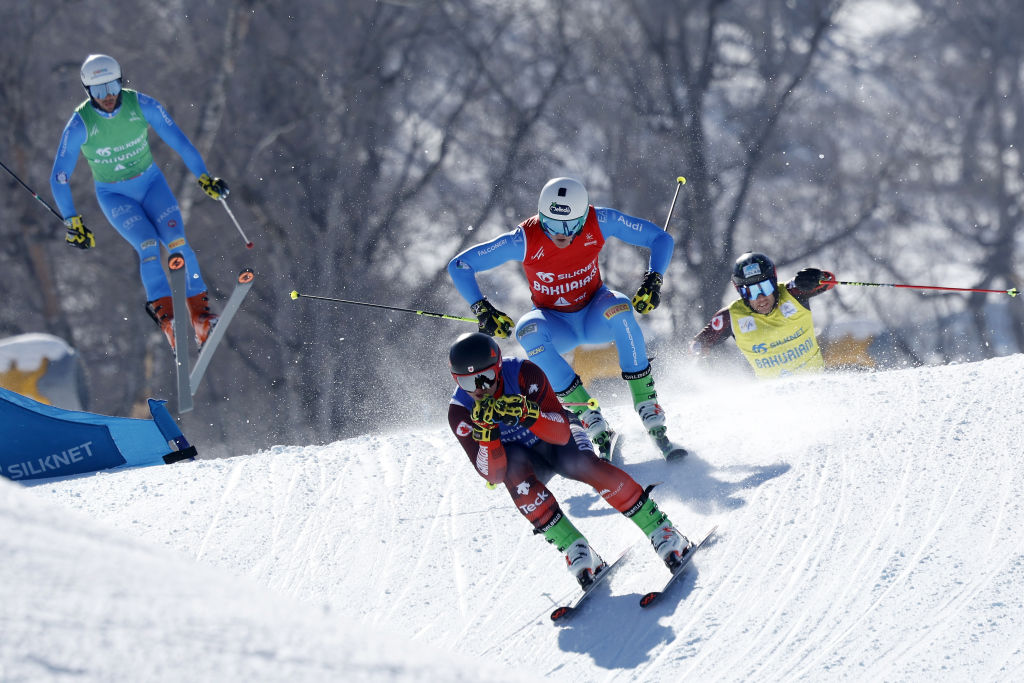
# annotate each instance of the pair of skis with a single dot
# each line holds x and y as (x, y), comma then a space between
(566, 610)
(189, 378)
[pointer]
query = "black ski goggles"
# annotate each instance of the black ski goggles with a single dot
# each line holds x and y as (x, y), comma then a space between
(477, 380)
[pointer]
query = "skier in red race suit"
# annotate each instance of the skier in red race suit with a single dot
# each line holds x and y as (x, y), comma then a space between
(516, 432)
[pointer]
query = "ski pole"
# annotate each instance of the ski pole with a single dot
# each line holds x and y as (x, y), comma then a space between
(680, 181)
(224, 203)
(32, 192)
(592, 404)
(1012, 292)
(296, 295)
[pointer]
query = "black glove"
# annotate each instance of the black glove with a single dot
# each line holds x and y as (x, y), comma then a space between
(78, 235)
(492, 321)
(515, 410)
(215, 187)
(814, 280)
(648, 296)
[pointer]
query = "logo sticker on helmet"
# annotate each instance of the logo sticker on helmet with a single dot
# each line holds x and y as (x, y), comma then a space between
(751, 270)
(559, 209)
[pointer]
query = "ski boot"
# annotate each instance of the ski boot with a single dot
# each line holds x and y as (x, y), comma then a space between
(583, 563)
(203, 319)
(653, 417)
(600, 433)
(670, 545)
(162, 312)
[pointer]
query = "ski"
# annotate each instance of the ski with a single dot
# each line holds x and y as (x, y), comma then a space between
(188, 381)
(178, 278)
(673, 452)
(566, 610)
(242, 286)
(650, 598)
(669, 450)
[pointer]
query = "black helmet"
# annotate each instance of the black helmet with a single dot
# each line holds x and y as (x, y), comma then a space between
(473, 352)
(753, 267)
(750, 269)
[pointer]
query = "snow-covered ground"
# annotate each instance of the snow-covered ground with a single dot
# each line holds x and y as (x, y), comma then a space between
(871, 527)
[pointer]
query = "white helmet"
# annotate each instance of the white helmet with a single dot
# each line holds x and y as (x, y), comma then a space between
(563, 207)
(100, 69)
(563, 199)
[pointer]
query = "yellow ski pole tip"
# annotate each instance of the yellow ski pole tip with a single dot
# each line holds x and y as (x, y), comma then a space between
(295, 294)
(592, 404)
(681, 180)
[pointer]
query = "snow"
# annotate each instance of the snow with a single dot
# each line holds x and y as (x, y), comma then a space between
(27, 351)
(870, 528)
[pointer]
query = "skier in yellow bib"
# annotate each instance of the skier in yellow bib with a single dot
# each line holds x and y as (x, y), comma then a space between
(772, 325)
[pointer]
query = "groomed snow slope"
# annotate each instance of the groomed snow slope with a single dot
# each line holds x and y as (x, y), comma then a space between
(870, 528)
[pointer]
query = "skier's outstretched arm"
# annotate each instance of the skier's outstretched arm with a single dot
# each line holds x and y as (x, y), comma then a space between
(510, 246)
(71, 141)
(639, 232)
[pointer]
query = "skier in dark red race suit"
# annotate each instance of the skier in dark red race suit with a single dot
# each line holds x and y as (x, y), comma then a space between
(516, 432)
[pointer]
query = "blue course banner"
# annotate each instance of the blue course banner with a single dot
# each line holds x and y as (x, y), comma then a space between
(38, 441)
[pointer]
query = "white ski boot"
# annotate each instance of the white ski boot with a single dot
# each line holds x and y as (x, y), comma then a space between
(599, 431)
(582, 562)
(670, 545)
(651, 414)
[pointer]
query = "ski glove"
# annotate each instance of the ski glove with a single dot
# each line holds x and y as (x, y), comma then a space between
(814, 280)
(514, 410)
(493, 322)
(215, 187)
(484, 427)
(78, 235)
(648, 296)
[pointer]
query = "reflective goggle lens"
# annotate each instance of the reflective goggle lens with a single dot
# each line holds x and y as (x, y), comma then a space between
(751, 292)
(555, 227)
(477, 380)
(104, 89)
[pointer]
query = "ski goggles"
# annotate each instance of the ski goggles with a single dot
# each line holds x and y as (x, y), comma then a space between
(105, 89)
(751, 292)
(477, 380)
(555, 227)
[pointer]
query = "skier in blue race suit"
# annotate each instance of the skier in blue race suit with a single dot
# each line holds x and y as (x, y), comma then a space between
(559, 249)
(110, 129)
